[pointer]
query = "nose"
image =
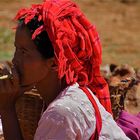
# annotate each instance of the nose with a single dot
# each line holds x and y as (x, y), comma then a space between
(15, 58)
(15, 61)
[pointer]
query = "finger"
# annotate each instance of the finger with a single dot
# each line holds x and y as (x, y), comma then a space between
(11, 91)
(12, 84)
(8, 91)
(8, 86)
(5, 71)
(1, 68)
(1, 87)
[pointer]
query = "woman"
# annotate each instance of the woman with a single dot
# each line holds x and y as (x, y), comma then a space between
(58, 51)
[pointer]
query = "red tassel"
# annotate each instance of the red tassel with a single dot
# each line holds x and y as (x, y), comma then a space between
(76, 43)
(37, 32)
(29, 18)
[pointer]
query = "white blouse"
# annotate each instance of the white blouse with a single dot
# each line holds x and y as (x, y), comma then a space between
(71, 116)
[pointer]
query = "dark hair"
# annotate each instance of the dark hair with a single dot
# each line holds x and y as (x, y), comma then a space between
(42, 40)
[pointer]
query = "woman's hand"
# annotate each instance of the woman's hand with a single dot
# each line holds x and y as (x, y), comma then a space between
(9, 90)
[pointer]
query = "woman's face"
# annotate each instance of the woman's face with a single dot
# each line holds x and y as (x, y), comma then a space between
(30, 65)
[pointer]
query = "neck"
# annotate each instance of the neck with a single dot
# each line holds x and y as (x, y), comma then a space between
(49, 91)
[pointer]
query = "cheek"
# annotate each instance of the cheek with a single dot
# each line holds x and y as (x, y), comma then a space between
(33, 68)
(33, 71)
(30, 69)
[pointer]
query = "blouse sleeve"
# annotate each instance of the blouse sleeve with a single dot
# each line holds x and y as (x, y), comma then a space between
(54, 126)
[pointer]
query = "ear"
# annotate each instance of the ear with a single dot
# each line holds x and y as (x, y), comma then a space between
(51, 64)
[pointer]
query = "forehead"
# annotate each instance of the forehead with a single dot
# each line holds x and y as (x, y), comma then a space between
(23, 38)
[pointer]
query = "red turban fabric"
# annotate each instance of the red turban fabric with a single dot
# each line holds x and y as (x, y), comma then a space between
(76, 43)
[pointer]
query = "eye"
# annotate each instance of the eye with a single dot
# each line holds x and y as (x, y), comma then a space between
(21, 51)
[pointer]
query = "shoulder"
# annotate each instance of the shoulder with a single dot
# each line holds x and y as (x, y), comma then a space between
(69, 115)
(56, 123)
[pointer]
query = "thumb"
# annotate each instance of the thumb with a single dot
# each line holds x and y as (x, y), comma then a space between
(16, 80)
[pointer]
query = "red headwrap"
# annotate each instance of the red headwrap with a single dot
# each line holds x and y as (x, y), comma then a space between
(76, 44)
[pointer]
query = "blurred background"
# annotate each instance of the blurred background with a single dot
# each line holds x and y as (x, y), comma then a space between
(117, 21)
(118, 24)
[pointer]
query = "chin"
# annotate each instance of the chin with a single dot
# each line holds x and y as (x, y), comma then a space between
(26, 86)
